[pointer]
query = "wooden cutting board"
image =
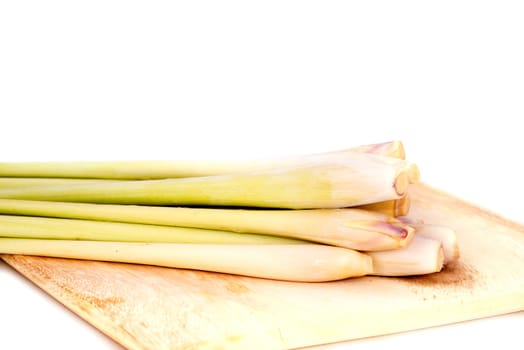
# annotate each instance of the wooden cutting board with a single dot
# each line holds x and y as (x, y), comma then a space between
(144, 307)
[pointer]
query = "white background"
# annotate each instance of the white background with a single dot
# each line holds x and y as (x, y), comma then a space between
(240, 79)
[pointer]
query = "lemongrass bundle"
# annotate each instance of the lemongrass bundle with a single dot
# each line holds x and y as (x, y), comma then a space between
(292, 262)
(373, 177)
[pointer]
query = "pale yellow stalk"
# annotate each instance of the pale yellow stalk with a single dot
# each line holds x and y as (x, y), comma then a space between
(350, 228)
(421, 256)
(330, 181)
(18, 182)
(393, 149)
(410, 220)
(299, 262)
(162, 169)
(55, 229)
(445, 235)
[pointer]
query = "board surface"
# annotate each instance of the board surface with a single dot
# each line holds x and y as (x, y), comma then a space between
(146, 307)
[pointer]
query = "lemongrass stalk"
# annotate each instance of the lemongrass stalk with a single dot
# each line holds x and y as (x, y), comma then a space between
(421, 256)
(393, 208)
(390, 149)
(331, 181)
(445, 235)
(52, 228)
(393, 149)
(413, 173)
(299, 262)
(159, 169)
(350, 228)
(410, 220)
(18, 182)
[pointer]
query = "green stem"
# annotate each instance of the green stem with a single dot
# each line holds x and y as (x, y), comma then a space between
(142, 170)
(350, 228)
(327, 182)
(52, 228)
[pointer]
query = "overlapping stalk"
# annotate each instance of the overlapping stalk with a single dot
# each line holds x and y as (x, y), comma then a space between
(53, 228)
(153, 169)
(327, 181)
(82, 171)
(19, 182)
(445, 235)
(421, 256)
(296, 262)
(350, 228)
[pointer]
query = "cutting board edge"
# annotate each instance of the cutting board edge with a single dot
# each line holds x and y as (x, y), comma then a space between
(92, 316)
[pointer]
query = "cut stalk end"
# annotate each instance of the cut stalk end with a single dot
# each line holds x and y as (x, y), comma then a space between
(401, 184)
(394, 149)
(445, 235)
(395, 208)
(421, 256)
(413, 173)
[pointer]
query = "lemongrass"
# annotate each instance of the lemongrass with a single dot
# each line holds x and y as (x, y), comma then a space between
(393, 149)
(350, 228)
(445, 235)
(331, 181)
(421, 256)
(53, 228)
(299, 262)
(18, 182)
(413, 173)
(410, 220)
(390, 149)
(159, 169)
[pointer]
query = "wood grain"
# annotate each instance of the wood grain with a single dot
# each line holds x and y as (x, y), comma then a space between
(145, 307)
